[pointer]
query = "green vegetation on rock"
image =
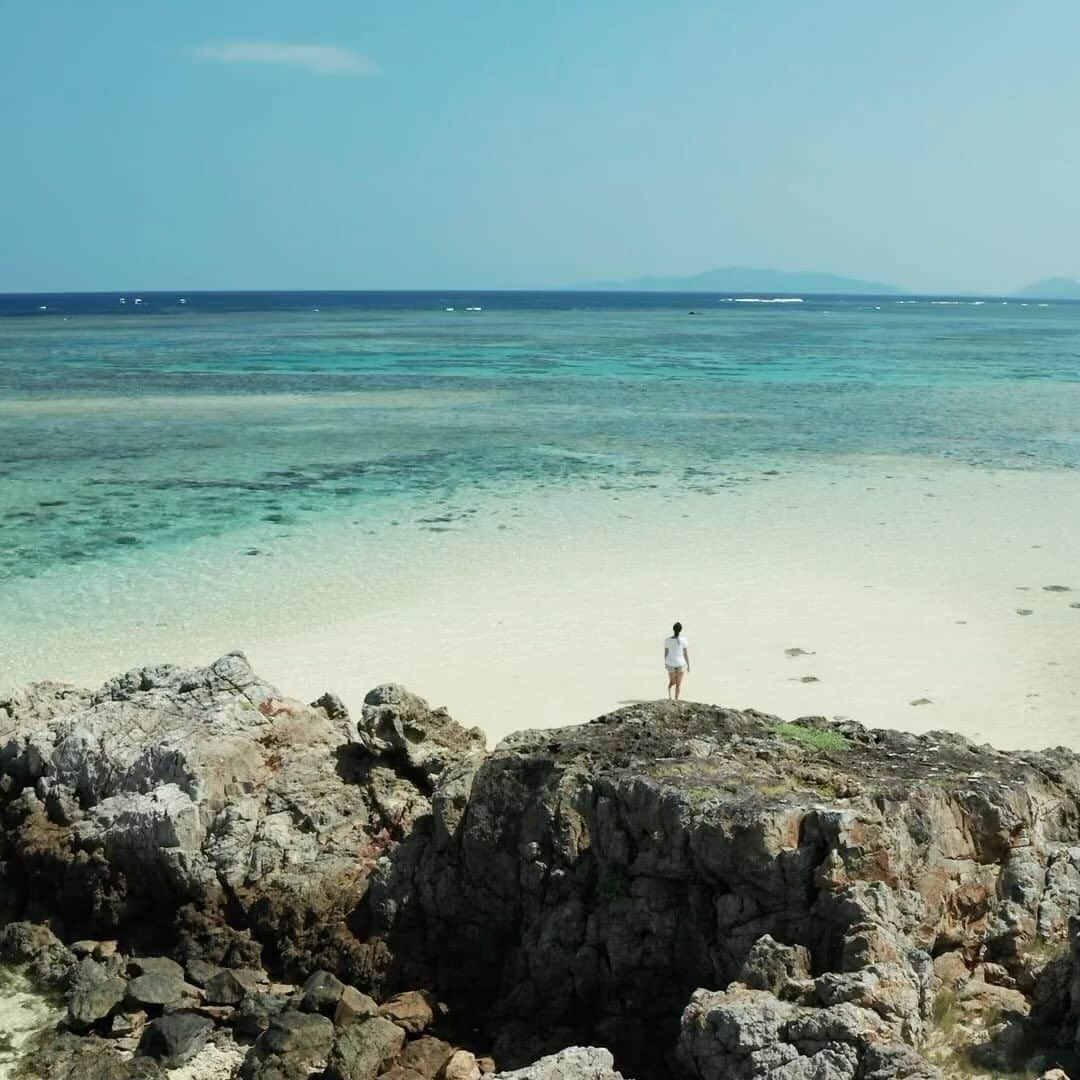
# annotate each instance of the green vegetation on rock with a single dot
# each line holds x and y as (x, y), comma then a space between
(814, 738)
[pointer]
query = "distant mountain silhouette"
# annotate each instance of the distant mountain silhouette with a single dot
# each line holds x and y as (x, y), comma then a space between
(732, 279)
(1052, 288)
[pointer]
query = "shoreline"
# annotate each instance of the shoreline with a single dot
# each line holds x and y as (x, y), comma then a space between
(896, 581)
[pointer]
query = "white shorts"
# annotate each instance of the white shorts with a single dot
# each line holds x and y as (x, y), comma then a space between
(678, 667)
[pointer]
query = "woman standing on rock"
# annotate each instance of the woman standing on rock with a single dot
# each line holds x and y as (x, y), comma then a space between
(676, 660)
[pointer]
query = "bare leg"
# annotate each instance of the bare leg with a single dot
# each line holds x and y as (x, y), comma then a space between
(671, 677)
(678, 683)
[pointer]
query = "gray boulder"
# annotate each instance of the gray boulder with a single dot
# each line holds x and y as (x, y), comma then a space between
(353, 1005)
(294, 1045)
(162, 989)
(321, 993)
(176, 1038)
(93, 994)
(200, 971)
(254, 1014)
(362, 1049)
(573, 1063)
(155, 965)
(230, 986)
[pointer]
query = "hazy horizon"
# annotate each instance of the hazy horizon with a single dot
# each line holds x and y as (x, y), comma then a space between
(644, 285)
(505, 147)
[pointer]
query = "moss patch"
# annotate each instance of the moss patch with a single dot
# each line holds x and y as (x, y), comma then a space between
(946, 1010)
(774, 789)
(814, 738)
(698, 795)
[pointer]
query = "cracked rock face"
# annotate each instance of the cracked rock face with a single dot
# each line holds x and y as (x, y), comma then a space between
(738, 1034)
(424, 742)
(584, 882)
(200, 789)
(832, 901)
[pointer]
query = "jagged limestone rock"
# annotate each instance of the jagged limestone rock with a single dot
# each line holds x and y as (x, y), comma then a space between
(211, 791)
(573, 1063)
(575, 885)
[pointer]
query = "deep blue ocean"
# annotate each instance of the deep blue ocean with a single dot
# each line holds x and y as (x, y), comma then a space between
(131, 420)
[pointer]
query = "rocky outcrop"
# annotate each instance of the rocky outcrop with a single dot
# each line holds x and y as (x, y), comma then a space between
(420, 741)
(207, 794)
(739, 1033)
(586, 881)
(832, 901)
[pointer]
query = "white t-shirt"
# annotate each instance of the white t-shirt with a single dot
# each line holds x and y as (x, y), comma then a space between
(673, 651)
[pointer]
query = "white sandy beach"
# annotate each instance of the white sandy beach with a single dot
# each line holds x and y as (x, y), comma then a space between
(899, 582)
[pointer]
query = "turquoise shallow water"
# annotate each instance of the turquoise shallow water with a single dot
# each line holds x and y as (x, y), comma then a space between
(233, 426)
(129, 429)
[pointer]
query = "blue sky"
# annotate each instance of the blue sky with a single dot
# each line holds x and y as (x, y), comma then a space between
(518, 144)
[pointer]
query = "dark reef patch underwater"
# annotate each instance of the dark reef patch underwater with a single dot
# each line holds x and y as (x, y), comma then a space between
(156, 425)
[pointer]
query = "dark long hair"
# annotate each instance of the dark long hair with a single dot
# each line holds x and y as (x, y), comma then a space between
(677, 628)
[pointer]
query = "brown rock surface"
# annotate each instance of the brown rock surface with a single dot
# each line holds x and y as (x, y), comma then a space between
(461, 1066)
(427, 1055)
(413, 1011)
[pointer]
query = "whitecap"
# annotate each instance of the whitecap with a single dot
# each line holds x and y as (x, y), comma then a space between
(768, 300)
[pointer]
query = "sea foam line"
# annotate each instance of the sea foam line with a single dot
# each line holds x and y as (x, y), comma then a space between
(762, 300)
